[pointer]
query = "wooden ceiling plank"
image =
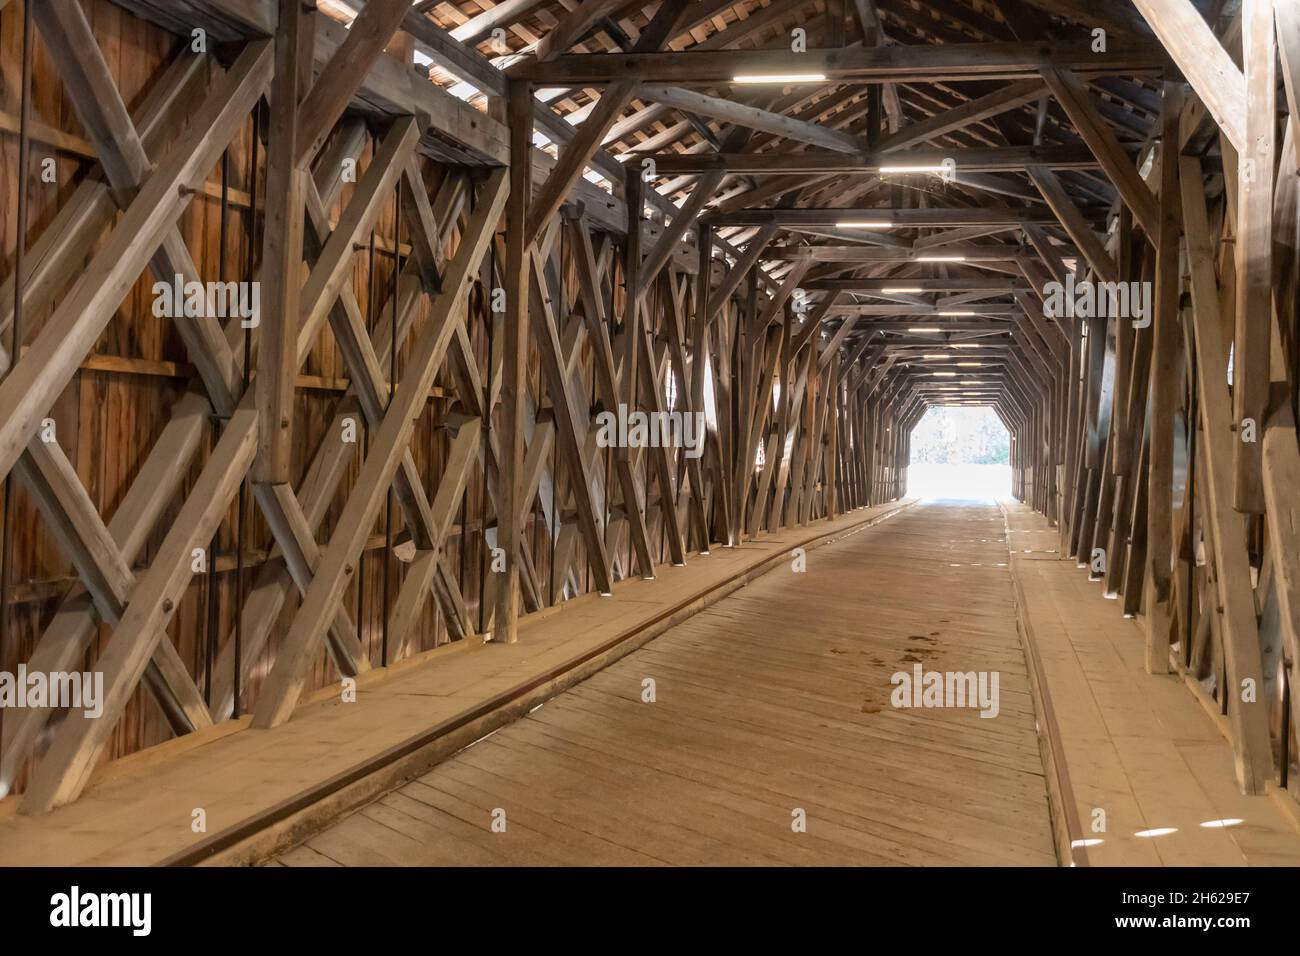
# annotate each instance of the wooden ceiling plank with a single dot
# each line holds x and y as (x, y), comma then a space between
(1008, 97)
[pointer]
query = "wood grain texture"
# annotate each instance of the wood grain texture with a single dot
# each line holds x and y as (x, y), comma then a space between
(751, 722)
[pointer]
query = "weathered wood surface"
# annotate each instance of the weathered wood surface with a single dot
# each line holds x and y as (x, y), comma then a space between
(1123, 433)
(1140, 748)
(750, 723)
(129, 815)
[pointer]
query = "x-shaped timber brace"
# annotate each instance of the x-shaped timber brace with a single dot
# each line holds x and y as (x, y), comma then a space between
(140, 613)
(305, 265)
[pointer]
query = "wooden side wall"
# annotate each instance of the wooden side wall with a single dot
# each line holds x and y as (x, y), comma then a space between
(118, 402)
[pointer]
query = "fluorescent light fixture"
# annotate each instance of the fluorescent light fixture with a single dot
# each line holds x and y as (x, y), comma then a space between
(1156, 832)
(939, 356)
(944, 374)
(964, 345)
(922, 328)
(956, 312)
(864, 224)
(897, 289)
(940, 258)
(886, 170)
(779, 78)
(970, 364)
(1220, 824)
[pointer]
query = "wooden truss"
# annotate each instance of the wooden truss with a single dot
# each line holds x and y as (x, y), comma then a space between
(1162, 458)
(677, 246)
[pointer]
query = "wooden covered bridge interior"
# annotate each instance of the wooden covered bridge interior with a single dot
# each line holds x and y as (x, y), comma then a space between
(314, 319)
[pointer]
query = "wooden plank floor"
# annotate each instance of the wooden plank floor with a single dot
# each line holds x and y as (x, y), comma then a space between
(774, 700)
(1138, 747)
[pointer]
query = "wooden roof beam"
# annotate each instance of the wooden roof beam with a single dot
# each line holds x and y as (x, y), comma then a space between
(1203, 61)
(344, 72)
(1075, 223)
(752, 117)
(921, 285)
(1009, 97)
(919, 63)
(478, 28)
(1096, 132)
(990, 252)
(898, 218)
(985, 159)
(574, 26)
(1110, 14)
(925, 310)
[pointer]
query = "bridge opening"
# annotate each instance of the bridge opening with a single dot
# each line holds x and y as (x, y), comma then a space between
(960, 453)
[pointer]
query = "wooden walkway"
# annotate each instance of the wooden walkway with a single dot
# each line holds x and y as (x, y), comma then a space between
(262, 790)
(775, 700)
(1139, 748)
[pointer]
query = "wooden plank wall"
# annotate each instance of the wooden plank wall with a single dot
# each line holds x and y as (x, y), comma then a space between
(118, 403)
(120, 399)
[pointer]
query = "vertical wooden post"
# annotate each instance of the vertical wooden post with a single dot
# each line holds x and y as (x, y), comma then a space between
(699, 343)
(633, 197)
(830, 496)
(1234, 612)
(700, 320)
(836, 13)
(1163, 395)
(514, 366)
(1254, 290)
(281, 251)
(1073, 416)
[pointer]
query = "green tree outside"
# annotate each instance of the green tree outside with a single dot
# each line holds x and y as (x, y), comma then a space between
(960, 435)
